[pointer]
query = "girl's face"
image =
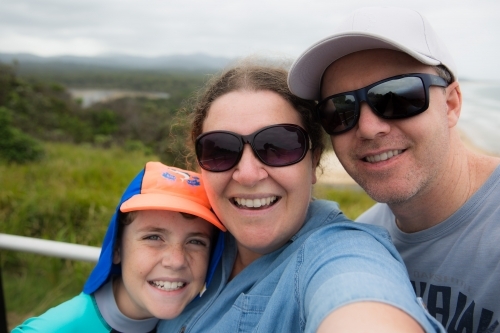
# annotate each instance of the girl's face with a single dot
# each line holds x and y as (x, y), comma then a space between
(164, 258)
(262, 206)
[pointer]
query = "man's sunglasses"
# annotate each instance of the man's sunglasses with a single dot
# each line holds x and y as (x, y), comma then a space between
(397, 97)
(277, 146)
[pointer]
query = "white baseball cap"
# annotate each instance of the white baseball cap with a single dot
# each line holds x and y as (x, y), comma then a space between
(393, 28)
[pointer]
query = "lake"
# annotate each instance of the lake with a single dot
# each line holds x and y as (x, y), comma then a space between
(92, 96)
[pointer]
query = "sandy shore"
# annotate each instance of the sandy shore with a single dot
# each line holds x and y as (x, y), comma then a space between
(335, 174)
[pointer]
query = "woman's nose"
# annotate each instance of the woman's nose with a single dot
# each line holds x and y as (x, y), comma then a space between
(249, 170)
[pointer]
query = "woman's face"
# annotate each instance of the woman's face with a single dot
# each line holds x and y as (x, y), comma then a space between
(284, 193)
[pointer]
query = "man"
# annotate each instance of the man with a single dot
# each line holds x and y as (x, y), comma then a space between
(389, 97)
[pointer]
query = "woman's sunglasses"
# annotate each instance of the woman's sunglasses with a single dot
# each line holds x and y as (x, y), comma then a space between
(276, 146)
(397, 97)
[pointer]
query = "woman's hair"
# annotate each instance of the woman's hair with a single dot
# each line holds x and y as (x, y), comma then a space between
(249, 75)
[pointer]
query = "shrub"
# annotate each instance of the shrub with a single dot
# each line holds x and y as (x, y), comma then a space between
(16, 146)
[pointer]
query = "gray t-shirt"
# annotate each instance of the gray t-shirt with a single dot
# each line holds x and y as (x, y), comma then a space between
(114, 317)
(455, 265)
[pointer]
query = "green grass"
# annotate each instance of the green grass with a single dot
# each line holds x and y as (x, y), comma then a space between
(70, 196)
(352, 200)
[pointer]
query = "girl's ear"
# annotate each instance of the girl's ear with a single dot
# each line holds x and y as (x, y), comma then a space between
(117, 256)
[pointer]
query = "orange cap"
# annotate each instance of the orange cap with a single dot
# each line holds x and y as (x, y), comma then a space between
(168, 188)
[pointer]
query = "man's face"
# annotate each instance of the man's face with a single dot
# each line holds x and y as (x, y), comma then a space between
(393, 160)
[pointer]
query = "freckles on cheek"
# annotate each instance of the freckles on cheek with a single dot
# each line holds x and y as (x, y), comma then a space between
(200, 266)
(139, 264)
(201, 275)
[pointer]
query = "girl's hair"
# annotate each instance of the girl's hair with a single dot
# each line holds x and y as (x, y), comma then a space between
(124, 219)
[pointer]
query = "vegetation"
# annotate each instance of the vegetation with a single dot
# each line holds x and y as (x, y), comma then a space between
(352, 200)
(63, 170)
(35, 108)
(176, 83)
(68, 196)
(14, 144)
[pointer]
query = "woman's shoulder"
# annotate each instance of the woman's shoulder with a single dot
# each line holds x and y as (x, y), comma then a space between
(326, 216)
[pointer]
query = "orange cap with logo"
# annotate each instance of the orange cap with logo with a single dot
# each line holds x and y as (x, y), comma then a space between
(168, 188)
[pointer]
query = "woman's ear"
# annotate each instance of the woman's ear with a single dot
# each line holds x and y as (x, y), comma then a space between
(316, 156)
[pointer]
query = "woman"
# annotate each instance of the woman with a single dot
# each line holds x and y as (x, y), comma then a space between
(291, 263)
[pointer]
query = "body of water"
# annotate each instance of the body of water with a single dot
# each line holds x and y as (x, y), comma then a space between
(480, 117)
(92, 96)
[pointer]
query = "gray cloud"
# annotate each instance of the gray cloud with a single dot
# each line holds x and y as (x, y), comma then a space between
(228, 27)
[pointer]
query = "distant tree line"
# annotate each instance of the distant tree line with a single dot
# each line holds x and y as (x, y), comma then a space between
(35, 106)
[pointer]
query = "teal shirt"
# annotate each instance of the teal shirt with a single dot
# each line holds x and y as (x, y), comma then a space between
(79, 314)
(94, 313)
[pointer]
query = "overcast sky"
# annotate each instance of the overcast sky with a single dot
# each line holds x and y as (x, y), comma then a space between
(231, 28)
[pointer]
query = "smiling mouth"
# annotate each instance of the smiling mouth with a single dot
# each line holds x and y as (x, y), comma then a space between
(255, 203)
(167, 285)
(383, 157)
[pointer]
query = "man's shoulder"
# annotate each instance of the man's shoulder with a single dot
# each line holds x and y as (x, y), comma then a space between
(379, 214)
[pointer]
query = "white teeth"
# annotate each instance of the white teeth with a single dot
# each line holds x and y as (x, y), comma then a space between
(383, 156)
(167, 285)
(251, 203)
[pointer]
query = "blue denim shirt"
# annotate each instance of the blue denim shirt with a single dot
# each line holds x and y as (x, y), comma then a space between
(329, 263)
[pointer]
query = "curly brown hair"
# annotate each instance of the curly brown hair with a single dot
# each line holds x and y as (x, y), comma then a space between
(250, 76)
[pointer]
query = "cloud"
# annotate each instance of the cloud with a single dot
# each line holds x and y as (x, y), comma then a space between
(229, 28)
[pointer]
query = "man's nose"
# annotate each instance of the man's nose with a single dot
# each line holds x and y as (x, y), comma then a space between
(369, 124)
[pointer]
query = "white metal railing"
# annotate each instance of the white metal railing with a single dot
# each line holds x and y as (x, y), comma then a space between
(49, 248)
(42, 247)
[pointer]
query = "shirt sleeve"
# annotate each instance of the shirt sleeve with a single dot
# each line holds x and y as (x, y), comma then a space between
(353, 262)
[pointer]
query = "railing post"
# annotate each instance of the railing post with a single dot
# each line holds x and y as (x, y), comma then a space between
(3, 308)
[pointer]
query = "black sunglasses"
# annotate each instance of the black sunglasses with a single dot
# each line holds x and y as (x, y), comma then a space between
(396, 97)
(277, 145)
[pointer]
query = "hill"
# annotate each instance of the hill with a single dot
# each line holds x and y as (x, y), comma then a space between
(191, 62)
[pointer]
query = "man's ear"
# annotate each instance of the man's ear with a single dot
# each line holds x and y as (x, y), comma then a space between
(454, 103)
(117, 255)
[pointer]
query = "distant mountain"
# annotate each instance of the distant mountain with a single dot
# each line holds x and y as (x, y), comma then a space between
(197, 61)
